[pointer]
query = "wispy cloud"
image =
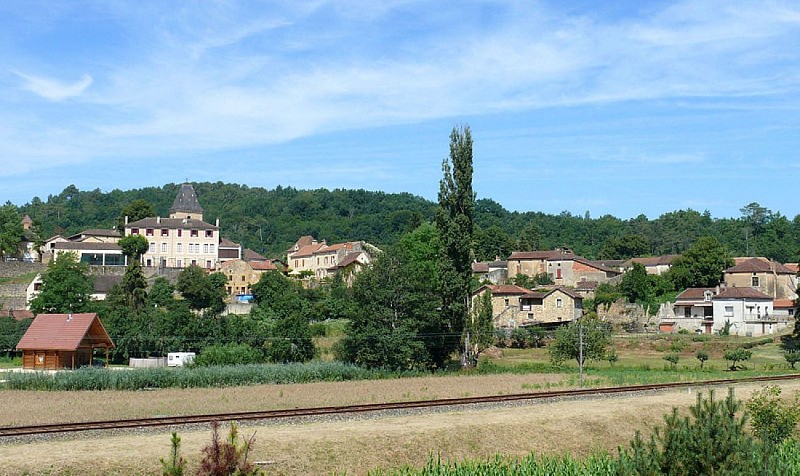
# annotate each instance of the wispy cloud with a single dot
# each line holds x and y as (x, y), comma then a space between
(53, 89)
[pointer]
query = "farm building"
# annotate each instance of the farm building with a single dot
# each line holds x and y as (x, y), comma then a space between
(57, 341)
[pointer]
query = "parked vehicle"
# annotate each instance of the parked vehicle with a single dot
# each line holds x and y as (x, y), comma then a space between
(179, 359)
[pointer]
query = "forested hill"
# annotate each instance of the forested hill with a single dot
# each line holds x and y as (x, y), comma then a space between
(269, 221)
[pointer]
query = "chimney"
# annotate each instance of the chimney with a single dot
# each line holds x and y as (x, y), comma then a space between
(217, 222)
(69, 317)
(158, 220)
(126, 219)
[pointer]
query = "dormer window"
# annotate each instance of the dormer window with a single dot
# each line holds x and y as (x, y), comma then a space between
(707, 296)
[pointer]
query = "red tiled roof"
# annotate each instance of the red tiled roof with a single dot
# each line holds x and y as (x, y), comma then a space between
(783, 304)
(759, 265)
(260, 265)
(693, 294)
(224, 242)
(250, 255)
(62, 332)
(482, 267)
(586, 285)
(792, 267)
(741, 293)
(308, 250)
(507, 289)
(551, 254)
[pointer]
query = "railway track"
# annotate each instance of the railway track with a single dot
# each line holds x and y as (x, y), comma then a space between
(12, 431)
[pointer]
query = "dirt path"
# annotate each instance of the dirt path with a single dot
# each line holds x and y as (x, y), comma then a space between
(574, 426)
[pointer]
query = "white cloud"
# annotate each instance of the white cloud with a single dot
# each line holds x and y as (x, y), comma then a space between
(52, 89)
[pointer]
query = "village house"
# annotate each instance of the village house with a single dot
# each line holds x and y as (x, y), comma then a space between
(242, 275)
(56, 341)
(320, 260)
(495, 272)
(561, 265)
(653, 265)
(769, 277)
(747, 311)
(514, 306)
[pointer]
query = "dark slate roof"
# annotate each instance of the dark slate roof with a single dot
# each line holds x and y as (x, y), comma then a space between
(62, 332)
(186, 201)
(226, 243)
(250, 255)
(95, 232)
(694, 294)
(172, 223)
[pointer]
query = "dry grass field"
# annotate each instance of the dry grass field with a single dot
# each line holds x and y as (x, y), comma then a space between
(32, 407)
(576, 426)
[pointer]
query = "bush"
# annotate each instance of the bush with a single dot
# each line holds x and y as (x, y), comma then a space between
(228, 354)
(672, 359)
(702, 356)
(683, 331)
(772, 418)
(737, 355)
(227, 457)
(792, 357)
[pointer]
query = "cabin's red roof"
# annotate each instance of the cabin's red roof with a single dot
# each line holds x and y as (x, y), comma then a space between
(63, 332)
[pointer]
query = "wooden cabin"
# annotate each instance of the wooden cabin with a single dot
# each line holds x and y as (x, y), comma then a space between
(59, 341)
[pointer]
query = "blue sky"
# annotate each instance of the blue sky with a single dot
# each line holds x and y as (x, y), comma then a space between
(617, 108)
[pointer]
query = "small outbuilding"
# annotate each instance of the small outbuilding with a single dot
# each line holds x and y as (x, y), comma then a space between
(58, 341)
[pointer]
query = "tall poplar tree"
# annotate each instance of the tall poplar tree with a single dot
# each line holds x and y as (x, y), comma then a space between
(454, 220)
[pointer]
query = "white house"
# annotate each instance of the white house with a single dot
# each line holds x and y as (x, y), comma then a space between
(749, 312)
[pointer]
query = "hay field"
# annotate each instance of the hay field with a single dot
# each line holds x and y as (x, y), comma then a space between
(574, 426)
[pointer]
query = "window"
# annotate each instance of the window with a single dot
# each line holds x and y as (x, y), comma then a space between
(505, 301)
(134, 231)
(209, 233)
(728, 311)
(179, 263)
(193, 233)
(208, 263)
(242, 277)
(194, 262)
(230, 277)
(152, 247)
(211, 248)
(687, 311)
(37, 286)
(559, 303)
(754, 281)
(163, 247)
(530, 315)
(179, 247)
(205, 248)
(149, 232)
(180, 232)
(164, 232)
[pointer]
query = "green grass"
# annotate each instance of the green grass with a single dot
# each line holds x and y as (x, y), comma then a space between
(21, 279)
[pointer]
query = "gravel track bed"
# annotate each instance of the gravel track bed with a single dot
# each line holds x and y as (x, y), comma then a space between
(332, 418)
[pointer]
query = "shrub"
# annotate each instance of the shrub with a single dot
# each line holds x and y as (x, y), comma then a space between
(772, 418)
(702, 356)
(227, 457)
(792, 357)
(176, 465)
(701, 338)
(737, 355)
(228, 354)
(672, 359)
(683, 331)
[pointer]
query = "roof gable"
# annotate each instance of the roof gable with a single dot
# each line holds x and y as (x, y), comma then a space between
(64, 332)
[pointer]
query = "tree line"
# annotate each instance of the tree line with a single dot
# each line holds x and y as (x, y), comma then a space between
(269, 221)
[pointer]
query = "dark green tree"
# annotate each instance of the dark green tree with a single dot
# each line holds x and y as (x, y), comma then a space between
(291, 340)
(454, 221)
(10, 230)
(135, 210)
(482, 323)
(625, 247)
(701, 265)
(66, 287)
(201, 290)
(566, 341)
(133, 247)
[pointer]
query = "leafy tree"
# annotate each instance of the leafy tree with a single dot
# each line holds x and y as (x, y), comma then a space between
(201, 290)
(481, 325)
(291, 340)
(66, 287)
(612, 357)
(279, 294)
(454, 220)
(673, 359)
(566, 341)
(133, 246)
(161, 293)
(737, 355)
(134, 284)
(625, 247)
(792, 357)
(135, 210)
(396, 323)
(702, 356)
(648, 290)
(10, 230)
(701, 265)
(528, 238)
(772, 418)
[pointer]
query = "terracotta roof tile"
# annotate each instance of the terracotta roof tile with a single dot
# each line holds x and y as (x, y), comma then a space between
(783, 303)
(262, 265)
(59, 332)
(759, 265)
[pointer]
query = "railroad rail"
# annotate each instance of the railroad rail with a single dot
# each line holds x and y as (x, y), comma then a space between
(10, 431)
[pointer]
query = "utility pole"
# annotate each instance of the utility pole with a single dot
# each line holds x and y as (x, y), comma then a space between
(580, 353)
